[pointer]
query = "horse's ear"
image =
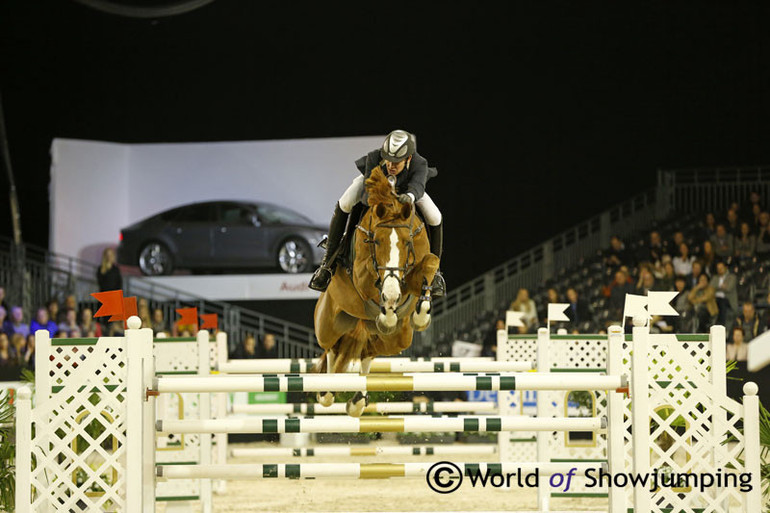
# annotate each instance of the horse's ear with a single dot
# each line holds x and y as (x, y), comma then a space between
(380, 210)
(406, 210)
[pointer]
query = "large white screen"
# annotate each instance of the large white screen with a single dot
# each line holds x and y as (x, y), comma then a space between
(98, 188)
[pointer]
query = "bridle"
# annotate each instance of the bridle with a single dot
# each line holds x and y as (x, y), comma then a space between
(411, 257)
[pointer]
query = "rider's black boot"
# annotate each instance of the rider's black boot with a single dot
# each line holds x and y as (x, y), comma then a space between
(436, 247)
(323, 275)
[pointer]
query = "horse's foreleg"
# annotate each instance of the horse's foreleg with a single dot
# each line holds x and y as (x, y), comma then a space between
(421, 316)
(327, 398)
(355, 406)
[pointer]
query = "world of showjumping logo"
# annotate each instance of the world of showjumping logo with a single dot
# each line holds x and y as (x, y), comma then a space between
(446, 477)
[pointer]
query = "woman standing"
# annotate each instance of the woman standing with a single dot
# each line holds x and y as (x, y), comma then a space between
(108, 274)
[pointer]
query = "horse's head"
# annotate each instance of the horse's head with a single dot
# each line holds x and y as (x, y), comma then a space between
(388, 229)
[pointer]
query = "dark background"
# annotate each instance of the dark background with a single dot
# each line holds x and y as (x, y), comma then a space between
(536, 116)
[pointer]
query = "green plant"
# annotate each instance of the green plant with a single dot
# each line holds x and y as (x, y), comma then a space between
(7, 454)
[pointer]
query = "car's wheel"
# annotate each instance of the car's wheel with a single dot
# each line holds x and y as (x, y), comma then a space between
(155, 259)
(295, 256)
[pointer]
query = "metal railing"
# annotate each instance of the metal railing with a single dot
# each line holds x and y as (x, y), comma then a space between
(33, 276)
(704, 190)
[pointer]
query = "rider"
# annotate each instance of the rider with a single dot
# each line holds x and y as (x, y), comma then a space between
(398, 157)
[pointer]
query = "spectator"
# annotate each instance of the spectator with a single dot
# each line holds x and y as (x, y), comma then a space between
(53, 310)
(490, 340)
(158, 322)
(745, 244)
(755, 203)
(709, 227)
(43, 322)
(617, 293)
(748, 321)
(70, 303)
(763, 242)
(683, 261)
(708, 258)
(268, 349)
(527, 306)
(4, 319)
(143, 312)
(654, 250)
(18, 344)
(16, 323)
(755, 220)
(7, 354)
(697, 270)
(733, 224)
(617, 255)
(723, 242)
(247, 349)
(703, 299)
(2, 299)
(89, 328)
(578, 311)
(108, 274)
(29, 356)
(676, 243)
(646, 282)
(764, 220)
(737, 350)
(70, 325)
(726, 287)
(553, 296)
(667, 281)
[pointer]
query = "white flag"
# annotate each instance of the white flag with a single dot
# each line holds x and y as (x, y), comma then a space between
(660, 303)
(513, 318)
(556, 312)
(635, 306)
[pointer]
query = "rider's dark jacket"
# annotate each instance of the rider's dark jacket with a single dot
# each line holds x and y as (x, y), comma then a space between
(409, 180)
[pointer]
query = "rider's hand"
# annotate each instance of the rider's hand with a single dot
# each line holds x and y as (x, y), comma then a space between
(405, 198)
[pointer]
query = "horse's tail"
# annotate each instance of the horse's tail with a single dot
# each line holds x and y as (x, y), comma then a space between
(349, 347)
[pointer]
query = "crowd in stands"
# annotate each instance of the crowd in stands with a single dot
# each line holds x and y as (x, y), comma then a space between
(719, 262)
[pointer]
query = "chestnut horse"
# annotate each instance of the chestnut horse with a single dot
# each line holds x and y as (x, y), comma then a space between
(374, 310)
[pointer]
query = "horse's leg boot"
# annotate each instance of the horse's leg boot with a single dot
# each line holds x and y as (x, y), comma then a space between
(323, 275)
(438, 287)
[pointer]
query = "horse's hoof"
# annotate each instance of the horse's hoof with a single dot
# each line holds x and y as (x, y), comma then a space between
(383, 323)
(355, 408)
(325, 398)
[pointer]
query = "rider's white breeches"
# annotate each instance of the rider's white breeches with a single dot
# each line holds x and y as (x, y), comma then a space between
(355, 192)
(352, 195)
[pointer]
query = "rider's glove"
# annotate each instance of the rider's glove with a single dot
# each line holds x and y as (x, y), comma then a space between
(406, 198)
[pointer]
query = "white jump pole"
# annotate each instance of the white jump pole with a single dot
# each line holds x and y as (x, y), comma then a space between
(394, 407)
(416, 423)
(357, 470)
(752, 450)
(346, 450)
(378, 366)
(615, 405)
(640, 411)
(543, 453)
(220, 486)
(204, 409)
(24, 449)
(427, 382)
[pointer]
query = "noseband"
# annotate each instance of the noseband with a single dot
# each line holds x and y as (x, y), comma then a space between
(410, 256)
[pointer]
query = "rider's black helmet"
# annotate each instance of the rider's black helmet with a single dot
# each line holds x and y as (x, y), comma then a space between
(399, 145)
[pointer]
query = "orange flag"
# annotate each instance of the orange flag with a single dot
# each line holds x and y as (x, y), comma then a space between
(129, 309)
(187, 315)
(209, 321)
(111, 303)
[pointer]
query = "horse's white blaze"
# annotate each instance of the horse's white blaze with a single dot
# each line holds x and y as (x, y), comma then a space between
(391, 288)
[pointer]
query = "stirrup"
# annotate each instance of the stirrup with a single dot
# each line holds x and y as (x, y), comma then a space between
(321, 279)
(438, 286)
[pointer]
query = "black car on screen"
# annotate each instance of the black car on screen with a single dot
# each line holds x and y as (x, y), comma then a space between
(222, 235)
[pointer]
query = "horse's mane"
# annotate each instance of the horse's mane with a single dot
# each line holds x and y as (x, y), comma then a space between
(379, 191)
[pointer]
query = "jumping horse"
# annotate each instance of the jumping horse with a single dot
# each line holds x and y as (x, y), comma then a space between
(372, 309)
